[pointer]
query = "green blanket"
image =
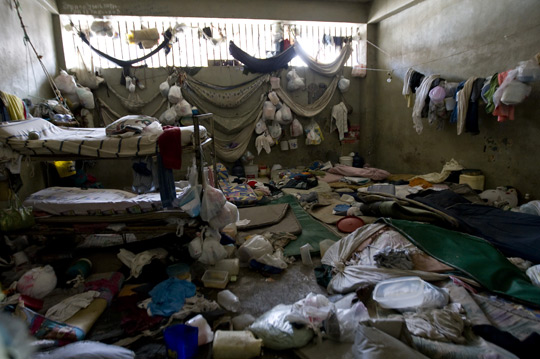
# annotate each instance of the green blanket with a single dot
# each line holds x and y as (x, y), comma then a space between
(473, 255)
(312, 230)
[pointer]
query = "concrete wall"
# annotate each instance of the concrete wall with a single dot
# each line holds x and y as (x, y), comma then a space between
(22, 75)
(342, 11)
(458, 39)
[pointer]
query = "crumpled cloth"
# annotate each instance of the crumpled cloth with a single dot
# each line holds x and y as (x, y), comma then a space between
(372, 173)
(435, 177)
(136, 262)
(69, 306)
(444, 325)
(389, 257)
(169, 296)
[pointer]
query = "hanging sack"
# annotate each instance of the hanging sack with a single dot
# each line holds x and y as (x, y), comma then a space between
(212, 202)
(275, 130)
(164, 89)
(296, 128)
(344, 84)
(175, 94)
(273, 97)
(269, 110)
(86, 77)
(183, 108)
(168, 117)
(16, 216)
(314, 134)
(295, 82)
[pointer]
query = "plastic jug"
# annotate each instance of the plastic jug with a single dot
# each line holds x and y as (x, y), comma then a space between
(236, 345)
(228, 300)
(324, 245)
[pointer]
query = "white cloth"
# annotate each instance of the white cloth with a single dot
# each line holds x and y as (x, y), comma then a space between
(88, 350)
(69, 306)
(421, 94)
(136, 262)
(339, 114)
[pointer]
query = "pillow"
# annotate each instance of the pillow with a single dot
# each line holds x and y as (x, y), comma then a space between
(130, 123)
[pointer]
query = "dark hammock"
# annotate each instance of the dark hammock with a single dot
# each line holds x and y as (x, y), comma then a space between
(262, 65)
(123, 63)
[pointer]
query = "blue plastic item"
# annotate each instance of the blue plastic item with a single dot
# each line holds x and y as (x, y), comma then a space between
(181, 341)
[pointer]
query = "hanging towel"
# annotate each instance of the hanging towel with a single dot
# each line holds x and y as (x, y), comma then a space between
(463, 98)
(170, 147)
(14, 106)
(339, 114)
(420, 101)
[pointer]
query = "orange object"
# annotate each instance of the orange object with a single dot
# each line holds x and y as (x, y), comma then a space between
(420, 182)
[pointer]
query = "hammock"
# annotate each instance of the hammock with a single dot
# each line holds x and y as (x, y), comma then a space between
(329, 69)
(133, 103)
(242, 139)
(229, 96)
(227, 123)
(125, 63)
(262, 65)
(310, 110)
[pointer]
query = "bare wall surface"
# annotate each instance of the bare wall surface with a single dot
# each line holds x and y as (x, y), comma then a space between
(336, 11)
(459, 39)
(22, 75)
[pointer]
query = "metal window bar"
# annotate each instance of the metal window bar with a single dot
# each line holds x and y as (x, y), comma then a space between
(189, 48)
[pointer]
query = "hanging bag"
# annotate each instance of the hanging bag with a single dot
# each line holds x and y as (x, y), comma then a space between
(16, 216)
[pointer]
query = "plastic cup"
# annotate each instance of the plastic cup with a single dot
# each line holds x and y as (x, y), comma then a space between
(181, 341)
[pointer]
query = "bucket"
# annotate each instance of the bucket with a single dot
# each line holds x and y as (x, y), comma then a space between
(181, 341)
(293, 143)
(346, 160)
(251, 171)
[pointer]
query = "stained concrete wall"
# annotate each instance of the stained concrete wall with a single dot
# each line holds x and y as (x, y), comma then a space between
(22, 75)
(458, 39)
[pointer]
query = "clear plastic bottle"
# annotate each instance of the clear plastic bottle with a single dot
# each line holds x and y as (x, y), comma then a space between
(228, 300)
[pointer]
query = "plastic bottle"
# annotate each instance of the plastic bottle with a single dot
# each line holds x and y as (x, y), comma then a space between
(306, 255)
(228, 300)
(236, 345)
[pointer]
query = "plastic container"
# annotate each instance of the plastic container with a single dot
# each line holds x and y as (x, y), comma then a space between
(324, 245)
(82, 267)
(251, 171)
(404, 292)
(205, 335)
(230, 265)
(228, 300)
(181, 341)
(236, 345)
(306, 254)
(346, 160)
(215, 279)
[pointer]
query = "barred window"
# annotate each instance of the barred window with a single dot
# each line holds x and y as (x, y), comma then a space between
(202, 42)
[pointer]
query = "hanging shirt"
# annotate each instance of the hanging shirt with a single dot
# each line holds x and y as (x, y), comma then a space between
(339, 114)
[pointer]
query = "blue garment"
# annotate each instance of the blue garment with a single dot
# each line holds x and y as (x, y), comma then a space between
(167, 189)
(341, 209)
(169, 296)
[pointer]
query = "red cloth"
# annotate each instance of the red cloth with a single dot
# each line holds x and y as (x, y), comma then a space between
(170, 147)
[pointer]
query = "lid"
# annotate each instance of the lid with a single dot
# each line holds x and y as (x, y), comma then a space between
(349, 224)
(398, 293)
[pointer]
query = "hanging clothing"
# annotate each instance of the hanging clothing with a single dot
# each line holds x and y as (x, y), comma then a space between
(471, 120)
(463, 98)
(407, 91)
(14, 105)
(488, 91)
(339, 114)
(420, 102)
(502, 111)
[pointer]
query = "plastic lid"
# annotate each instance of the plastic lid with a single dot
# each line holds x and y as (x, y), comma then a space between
(403, 292)
(349, 224)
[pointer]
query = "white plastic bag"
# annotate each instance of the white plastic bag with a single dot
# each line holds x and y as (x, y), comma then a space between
(528, 71)
(343, 84)
(183, 108)
(256, 247)
(515, 93)
(86, 97)
(65, 83)
(175, 94)
(212, 250)
(168, 117)
(228, 214)
(275, 130)
(269, 110)
(212, 202)
(164, 89)
(296, 128)
(273, 97)
(284, 115)
(294, 81)
(37, 282)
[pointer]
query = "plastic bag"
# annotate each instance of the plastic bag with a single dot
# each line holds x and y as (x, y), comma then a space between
(314, 134)
(294, 81)
(37, 282)
(16, 216)
(273, 97)
(168, 117)
(284, 115)
(341, 324)
(183, 108)
(277, 333)
(164, 89)
(86, 97)
(275, 130)
(256, 247)
(359, 71)
(296, 128)
(212, 250)
(175, 94)
(528, 71)
(86, 77)
(343, 84)
(228, 214)
(65, 83)
(212, 202)
(515, 93)
(276, 259)
(269, 110)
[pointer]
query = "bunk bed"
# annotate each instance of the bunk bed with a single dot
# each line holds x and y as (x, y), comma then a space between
(109, 211)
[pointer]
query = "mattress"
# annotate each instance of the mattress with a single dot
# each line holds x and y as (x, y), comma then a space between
(92, 142)
(70, 201)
